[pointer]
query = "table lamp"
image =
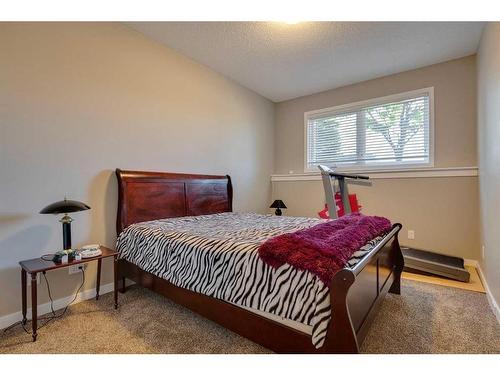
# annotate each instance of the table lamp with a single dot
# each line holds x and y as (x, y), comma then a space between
(278, 204)
(64, 207)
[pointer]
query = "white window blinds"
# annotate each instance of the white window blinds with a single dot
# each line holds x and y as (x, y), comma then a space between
(375, 134)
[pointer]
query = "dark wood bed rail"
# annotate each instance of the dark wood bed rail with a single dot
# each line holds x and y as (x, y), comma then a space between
(355, 294)
(358, 267)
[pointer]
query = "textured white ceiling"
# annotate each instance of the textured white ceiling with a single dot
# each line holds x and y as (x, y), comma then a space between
(282, 61)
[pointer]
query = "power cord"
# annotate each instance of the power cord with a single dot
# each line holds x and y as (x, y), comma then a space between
(54, 315)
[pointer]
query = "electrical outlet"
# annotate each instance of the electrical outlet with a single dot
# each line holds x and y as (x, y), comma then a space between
(28, 279)
(411, 234)
(76, 268)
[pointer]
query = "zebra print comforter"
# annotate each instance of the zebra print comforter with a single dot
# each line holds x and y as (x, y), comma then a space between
(217, 255)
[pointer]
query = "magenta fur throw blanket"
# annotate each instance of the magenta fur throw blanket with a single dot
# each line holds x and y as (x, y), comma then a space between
(324, 248)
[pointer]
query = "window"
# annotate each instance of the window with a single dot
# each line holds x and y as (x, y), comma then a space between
(393, 132)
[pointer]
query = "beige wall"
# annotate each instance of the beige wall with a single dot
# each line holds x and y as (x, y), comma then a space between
(437, 209)
(78, 100)
(489, 156)
(443, 212)
(454, 108)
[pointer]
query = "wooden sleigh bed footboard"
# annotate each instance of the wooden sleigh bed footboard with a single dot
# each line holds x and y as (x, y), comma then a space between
(355, 293)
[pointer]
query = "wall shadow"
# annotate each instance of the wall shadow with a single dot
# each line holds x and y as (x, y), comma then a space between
(12, 249)
(12, 219)
(23, 242)
(103, 198)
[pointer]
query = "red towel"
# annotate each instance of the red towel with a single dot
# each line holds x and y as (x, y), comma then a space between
(324, 248)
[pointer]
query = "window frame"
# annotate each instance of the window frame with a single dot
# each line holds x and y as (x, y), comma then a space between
(355, 106)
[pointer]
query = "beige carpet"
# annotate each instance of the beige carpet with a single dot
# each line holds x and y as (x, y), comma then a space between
(424, 319)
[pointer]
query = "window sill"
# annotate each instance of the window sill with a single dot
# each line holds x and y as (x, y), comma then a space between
(386, 174)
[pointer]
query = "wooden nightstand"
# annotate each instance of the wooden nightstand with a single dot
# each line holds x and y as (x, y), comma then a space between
(37, 265)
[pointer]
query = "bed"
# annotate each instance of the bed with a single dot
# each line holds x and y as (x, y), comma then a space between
(193, 214)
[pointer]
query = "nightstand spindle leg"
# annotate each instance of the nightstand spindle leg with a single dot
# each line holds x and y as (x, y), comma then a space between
(98, 282)
(24, 292)
(115, 271)
(34, 305)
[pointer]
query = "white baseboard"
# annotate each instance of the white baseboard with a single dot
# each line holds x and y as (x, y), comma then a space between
(471, 262)
(60, 303)
(491, 300)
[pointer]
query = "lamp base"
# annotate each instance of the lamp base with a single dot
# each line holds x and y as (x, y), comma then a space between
(66, 226)
(278, 212)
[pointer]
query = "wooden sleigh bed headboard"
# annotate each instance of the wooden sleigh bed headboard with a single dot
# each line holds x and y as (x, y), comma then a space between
(144, 196)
